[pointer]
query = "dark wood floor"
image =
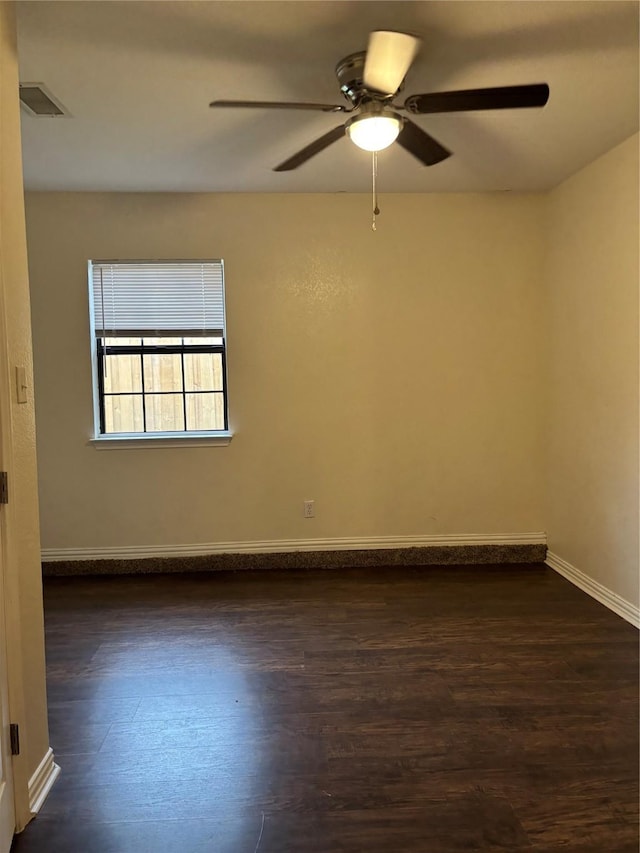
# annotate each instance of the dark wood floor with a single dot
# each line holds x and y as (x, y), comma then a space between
(424, 710)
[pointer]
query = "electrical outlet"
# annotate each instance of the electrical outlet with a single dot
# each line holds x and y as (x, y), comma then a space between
(309, 509)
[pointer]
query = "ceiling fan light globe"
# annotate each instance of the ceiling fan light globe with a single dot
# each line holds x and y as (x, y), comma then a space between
(374, 133)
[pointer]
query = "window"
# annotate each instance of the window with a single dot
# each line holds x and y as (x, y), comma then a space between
(159, 348)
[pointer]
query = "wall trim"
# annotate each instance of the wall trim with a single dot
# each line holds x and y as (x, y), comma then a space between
(601, 593)
(42, 781)
(279, 546)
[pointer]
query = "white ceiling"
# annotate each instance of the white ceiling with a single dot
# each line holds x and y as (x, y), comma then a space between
(137, 78)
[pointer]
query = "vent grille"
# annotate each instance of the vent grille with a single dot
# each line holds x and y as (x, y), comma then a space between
(38, 102)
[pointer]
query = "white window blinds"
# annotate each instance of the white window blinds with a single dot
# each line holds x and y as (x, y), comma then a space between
(147, 297)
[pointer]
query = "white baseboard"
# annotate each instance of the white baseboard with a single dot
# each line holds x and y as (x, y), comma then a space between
(276, 546)
(42, 781)
(596, 590)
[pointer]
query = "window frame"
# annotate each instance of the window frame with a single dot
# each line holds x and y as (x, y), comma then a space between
(99, 350)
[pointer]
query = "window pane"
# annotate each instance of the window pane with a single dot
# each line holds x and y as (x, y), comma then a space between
(123, 414)
(164, 412)
(203, 371)
(204, 341)
(161, 342)
(122, 342)
(122, 373)
(205, 411)
(162, 373)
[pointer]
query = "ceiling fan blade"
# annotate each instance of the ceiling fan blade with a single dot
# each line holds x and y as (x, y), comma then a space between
(424, 147)
(389, 55)
(282, 105)
(314, 148)
(497, 98)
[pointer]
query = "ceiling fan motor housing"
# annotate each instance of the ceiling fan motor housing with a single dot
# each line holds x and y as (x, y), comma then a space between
(350, 74)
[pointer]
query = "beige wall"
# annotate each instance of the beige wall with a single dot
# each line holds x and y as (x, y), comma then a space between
(23, 587)
(591, 510)
(394, 377)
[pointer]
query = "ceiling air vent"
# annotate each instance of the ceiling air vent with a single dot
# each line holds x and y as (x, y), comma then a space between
(38, 102)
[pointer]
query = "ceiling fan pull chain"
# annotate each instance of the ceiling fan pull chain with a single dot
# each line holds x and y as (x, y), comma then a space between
(374, 175)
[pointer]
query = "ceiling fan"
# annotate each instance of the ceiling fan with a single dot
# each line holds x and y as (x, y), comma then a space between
(371, 79)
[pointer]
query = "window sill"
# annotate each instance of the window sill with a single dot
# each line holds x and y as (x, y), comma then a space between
(125, 441)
